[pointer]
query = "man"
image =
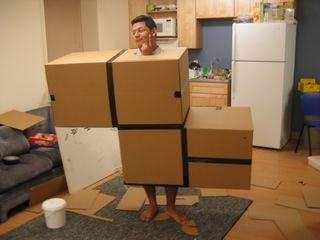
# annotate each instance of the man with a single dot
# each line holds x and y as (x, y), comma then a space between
(144, 31)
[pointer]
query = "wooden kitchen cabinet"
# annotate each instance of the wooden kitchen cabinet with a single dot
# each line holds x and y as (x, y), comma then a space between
(244, 7)
(189, 28)
(209, 94)
(206, 9)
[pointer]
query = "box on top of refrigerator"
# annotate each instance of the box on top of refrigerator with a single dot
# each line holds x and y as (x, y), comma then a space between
(78, 86)
(151, 89)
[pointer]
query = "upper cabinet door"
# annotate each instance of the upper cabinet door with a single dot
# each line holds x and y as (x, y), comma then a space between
(214, 8)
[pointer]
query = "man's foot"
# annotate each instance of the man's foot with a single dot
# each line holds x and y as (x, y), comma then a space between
(179, 217)
(149, 213)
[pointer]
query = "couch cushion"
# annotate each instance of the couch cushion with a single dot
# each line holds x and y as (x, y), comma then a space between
(45, 126)
(12, 142)
(51, 152)
(30, 166)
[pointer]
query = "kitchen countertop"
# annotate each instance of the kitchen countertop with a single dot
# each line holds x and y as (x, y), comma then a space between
(208, 80)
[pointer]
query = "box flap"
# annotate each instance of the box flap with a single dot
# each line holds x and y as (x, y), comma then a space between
(223, 118)
(19, 120)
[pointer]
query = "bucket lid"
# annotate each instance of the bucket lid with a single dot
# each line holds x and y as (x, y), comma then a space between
(53, 204)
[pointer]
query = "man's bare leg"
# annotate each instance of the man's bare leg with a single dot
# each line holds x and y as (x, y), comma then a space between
(179, 217)
(152, 209)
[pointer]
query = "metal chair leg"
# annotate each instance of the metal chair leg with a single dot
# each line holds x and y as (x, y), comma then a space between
(299, 139)
(309, 141)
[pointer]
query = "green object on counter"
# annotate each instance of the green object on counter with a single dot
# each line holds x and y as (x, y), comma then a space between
(205, 70)
(150, 7)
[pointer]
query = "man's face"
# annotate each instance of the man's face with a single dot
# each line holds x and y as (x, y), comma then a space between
(142, 34)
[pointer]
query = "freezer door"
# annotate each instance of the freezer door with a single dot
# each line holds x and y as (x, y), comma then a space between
(259, 42)
(260, 86)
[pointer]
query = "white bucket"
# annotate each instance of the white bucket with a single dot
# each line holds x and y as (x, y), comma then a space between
(54, 212)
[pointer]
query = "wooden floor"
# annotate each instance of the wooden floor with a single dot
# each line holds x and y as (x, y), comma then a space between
(285, 165)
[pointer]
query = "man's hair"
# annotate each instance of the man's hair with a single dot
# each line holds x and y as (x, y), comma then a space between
(147, 19)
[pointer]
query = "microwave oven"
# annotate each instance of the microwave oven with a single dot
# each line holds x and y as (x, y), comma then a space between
(166, 27)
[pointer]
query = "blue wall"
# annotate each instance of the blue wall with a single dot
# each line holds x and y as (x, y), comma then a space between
(217, 43)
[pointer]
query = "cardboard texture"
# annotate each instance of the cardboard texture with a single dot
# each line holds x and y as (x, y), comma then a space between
(190, 230)
(78, 85)
(162, 216)
(265, 182)
(295, 202)
(288, 221)
(145, 87)
(132, 200)
(311, 196)
(48, 189)
(180, 200)
(83, 199)
(213, 192)
(93, 216)
(219, 148)
(101, 201)
(151, 156)
(19, 120)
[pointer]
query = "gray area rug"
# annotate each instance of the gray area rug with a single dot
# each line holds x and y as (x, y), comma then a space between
(214, 216)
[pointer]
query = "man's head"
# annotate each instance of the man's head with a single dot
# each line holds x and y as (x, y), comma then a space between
(144, 32)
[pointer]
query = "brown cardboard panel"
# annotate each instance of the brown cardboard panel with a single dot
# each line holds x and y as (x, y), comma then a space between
(295, 202)
(265, 182)
(190, 230)
(216, 175)
(162, 216)
(213, 192)
(311, 196)
(78, 82)
(101, 201)
(180, 200)
(145, 87)
(92, 215)
(83, 199)
(151, 156)
(288, 220)
(132, 200)
(219, 133)
(36, 208)
(19, 120)
(48, 189)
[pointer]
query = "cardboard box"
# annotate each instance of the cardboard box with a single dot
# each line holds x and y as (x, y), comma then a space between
(19, 120)
(152, 156)
(219, 143)
(151, 89)
(78, 86)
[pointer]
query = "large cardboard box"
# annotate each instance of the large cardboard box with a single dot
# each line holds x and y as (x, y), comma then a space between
(152, 156)
(151, 89)
(79, 89)
(219, 143)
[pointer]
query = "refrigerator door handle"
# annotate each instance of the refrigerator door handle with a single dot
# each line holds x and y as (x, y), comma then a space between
(233, 80)
(233, 40)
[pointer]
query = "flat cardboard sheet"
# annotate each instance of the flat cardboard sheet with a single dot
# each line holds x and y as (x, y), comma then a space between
(132, 200)
(295, 202)
(47, 190)
(83, 199)
(101, 201)
(94, 216)
(288, 221)
(265, 182)
(19, 120)
(213, 192)
(311, 196)
(180, 200)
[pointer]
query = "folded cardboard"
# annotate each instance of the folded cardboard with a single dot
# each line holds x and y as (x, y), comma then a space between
(219, 143)
(151, 89)
(151, 156)
(78, 86)
(19, 120)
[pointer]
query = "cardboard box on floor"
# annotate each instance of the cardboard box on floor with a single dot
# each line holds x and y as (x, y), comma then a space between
(219, 148)
(78, 86)
(151, 89)
(219, 143)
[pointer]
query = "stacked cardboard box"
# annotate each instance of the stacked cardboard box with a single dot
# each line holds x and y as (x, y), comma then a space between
(147, 98)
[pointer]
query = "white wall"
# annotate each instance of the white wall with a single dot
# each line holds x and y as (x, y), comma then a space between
(113, 24)
(22, 55)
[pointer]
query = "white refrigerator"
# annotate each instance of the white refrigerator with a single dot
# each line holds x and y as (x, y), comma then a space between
(263, 56)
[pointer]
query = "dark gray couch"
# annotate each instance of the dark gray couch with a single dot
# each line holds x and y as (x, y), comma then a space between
(37, 163)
